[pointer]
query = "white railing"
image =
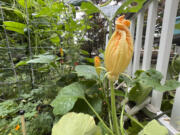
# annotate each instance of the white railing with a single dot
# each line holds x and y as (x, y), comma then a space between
(169, 18)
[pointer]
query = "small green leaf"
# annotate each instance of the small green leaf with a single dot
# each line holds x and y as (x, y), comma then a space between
(67, 97)
(21, 63)
(154, 128)
(76, 124)
(54, 38)
(90, 60)
(84, 52)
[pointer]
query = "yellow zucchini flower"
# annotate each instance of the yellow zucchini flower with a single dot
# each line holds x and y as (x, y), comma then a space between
(97, 64)
(119, 50)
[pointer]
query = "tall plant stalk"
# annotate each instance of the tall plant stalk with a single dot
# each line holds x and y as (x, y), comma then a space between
(113, 110)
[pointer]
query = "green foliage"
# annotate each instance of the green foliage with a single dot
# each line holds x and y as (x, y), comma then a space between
(76, 124)
(8, 107)
(87, 71)
(154, 128)
(146, 81)
(89, 7)
(43, 121)
(14, 26)
(67, 97)
(42, 59)
(177, 26)
(126, 7)
(23, 3)
(59, 85)
(109, 11)
(134, 128)
(81, 106)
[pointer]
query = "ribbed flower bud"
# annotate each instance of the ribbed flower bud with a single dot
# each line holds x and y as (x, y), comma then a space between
(119, 50)
(61, 52)
(97, 63)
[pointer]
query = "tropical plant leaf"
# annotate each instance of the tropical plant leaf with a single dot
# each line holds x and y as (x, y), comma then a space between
(76, 124)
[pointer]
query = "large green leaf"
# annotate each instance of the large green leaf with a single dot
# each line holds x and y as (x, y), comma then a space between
(145, 81)
(67, 97)
(15, 26)
(23, 3)
(127, 6)
(154, 128)
(42, 59)
(152, 78)
(81, 105)
(76, 124)
(16, 11)
(89, 7)
(87, 71)
(168, 86)
(139, 93)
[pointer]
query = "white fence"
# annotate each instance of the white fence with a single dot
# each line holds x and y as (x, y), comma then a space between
(170, 11)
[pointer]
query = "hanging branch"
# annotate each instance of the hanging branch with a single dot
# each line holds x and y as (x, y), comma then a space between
(29, 43)
(8, 47)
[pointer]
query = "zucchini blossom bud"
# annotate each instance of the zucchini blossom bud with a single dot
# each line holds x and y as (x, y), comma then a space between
(119, 50)
(97, 64)
(61, 52)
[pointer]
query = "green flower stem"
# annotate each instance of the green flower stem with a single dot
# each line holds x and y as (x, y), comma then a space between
(105, 96)
(113, 109)
(121, 119)
(108, 105)
(133, 119)
(110, 29)
(97, 115)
